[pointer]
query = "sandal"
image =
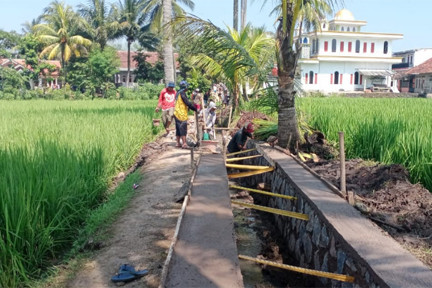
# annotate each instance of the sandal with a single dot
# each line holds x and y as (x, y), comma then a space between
(185, 146)
(178, 146)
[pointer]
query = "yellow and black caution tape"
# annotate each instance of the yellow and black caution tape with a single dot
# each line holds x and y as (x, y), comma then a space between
(273, 210)
(340, 277)
(263, 192)
(246, 167)
(240, 152)
(242, 158)
(249, 173)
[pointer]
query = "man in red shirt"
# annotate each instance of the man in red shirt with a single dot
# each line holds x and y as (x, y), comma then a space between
(167, 103)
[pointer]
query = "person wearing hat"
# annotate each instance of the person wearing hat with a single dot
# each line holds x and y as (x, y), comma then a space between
(238, 142)
(181, 108)
(210, 114)
(167, 103)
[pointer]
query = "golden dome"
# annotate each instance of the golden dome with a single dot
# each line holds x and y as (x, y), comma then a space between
(344, 14)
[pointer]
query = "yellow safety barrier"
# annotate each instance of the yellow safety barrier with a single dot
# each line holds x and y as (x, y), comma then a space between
(263, 192)
(240, 152)
(242, 158)
(249, 173)
(340, 277)
(273, 210)
(250, 167)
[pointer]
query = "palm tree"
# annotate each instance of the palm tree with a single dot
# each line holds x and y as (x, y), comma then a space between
(58, 33)
(292, 14)
(235, 15)
(168, 55)
(101, 25)
(243, 14)
(155, 11)
(28, 27)
(131, 18)
(230, 56)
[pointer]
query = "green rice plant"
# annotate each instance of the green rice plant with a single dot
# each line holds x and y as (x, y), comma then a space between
(57, 159)
(388, 130)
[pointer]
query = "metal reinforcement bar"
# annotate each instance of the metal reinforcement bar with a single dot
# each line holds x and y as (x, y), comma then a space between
(240, 152)
(242, 158)
(263, 192)
(340, 277)
(273, 210)
(249, 173)
(246, 167)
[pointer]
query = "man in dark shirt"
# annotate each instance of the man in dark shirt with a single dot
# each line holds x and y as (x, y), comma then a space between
(238, 142)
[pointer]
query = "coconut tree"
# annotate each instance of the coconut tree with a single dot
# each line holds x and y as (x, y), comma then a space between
(101, 25)
(168, 55)
(228, 55)
(131, 18)
(235, 14)
(59, 33)
(292, 15)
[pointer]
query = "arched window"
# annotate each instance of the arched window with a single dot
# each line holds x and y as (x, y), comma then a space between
(356, 78)
(305, 40)
(357, 50)
(342, 29)
(336, 78)
(385, 47)
(313, 46)
(311, 77)
(353, 29)
(334, 45)
(324, 25)
(348, 29)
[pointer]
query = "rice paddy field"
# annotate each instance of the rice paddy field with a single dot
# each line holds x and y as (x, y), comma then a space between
(388, 130)
(57, 159)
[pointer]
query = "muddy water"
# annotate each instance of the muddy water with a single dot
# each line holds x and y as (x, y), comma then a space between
(249, 227)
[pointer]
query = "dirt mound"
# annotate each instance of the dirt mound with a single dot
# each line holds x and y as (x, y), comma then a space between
(385, 195)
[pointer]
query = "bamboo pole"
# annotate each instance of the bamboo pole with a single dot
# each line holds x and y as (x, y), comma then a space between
(340, 277)
(230, 114)
(249, 173)
(263, 192)
(246, 167)
(241, 152)
(242, 158)
(273, 210)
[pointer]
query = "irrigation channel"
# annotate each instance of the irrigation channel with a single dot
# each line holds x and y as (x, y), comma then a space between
(256, 236)
(260, 246)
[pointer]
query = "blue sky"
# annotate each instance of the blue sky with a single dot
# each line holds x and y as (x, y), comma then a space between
(410, 18)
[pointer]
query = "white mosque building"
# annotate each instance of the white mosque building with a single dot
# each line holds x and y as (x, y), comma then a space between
(340, 57)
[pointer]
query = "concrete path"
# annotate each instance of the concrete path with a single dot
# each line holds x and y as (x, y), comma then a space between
(205, 254)
(396, 266)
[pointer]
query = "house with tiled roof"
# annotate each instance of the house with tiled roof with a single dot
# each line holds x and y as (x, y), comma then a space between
(120, 77)
(46, 78)
(410, 58)
(422, 77)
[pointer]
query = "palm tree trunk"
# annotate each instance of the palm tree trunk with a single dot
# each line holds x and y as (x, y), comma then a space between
(243, 13)
(235, 15)
(288, 135)
(167, 46)
(128, 63)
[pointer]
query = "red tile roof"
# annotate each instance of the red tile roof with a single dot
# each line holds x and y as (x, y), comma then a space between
(424, 68)
(152, 59)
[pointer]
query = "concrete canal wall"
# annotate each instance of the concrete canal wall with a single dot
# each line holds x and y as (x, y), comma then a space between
(337, 238)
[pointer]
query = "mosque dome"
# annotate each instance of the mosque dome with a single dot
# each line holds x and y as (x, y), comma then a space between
(344, 14)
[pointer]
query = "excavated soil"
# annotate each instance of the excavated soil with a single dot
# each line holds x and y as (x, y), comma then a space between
(384, 193)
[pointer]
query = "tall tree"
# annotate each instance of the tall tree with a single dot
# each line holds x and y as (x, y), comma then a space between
(131, 18)
(168, 55)
(101, 25)
(292, 14)
(58, 33)
(243, 13)
(235, 14)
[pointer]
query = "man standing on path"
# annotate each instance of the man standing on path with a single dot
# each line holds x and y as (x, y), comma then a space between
(182, 105)
(167, 103)
(238, 142)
